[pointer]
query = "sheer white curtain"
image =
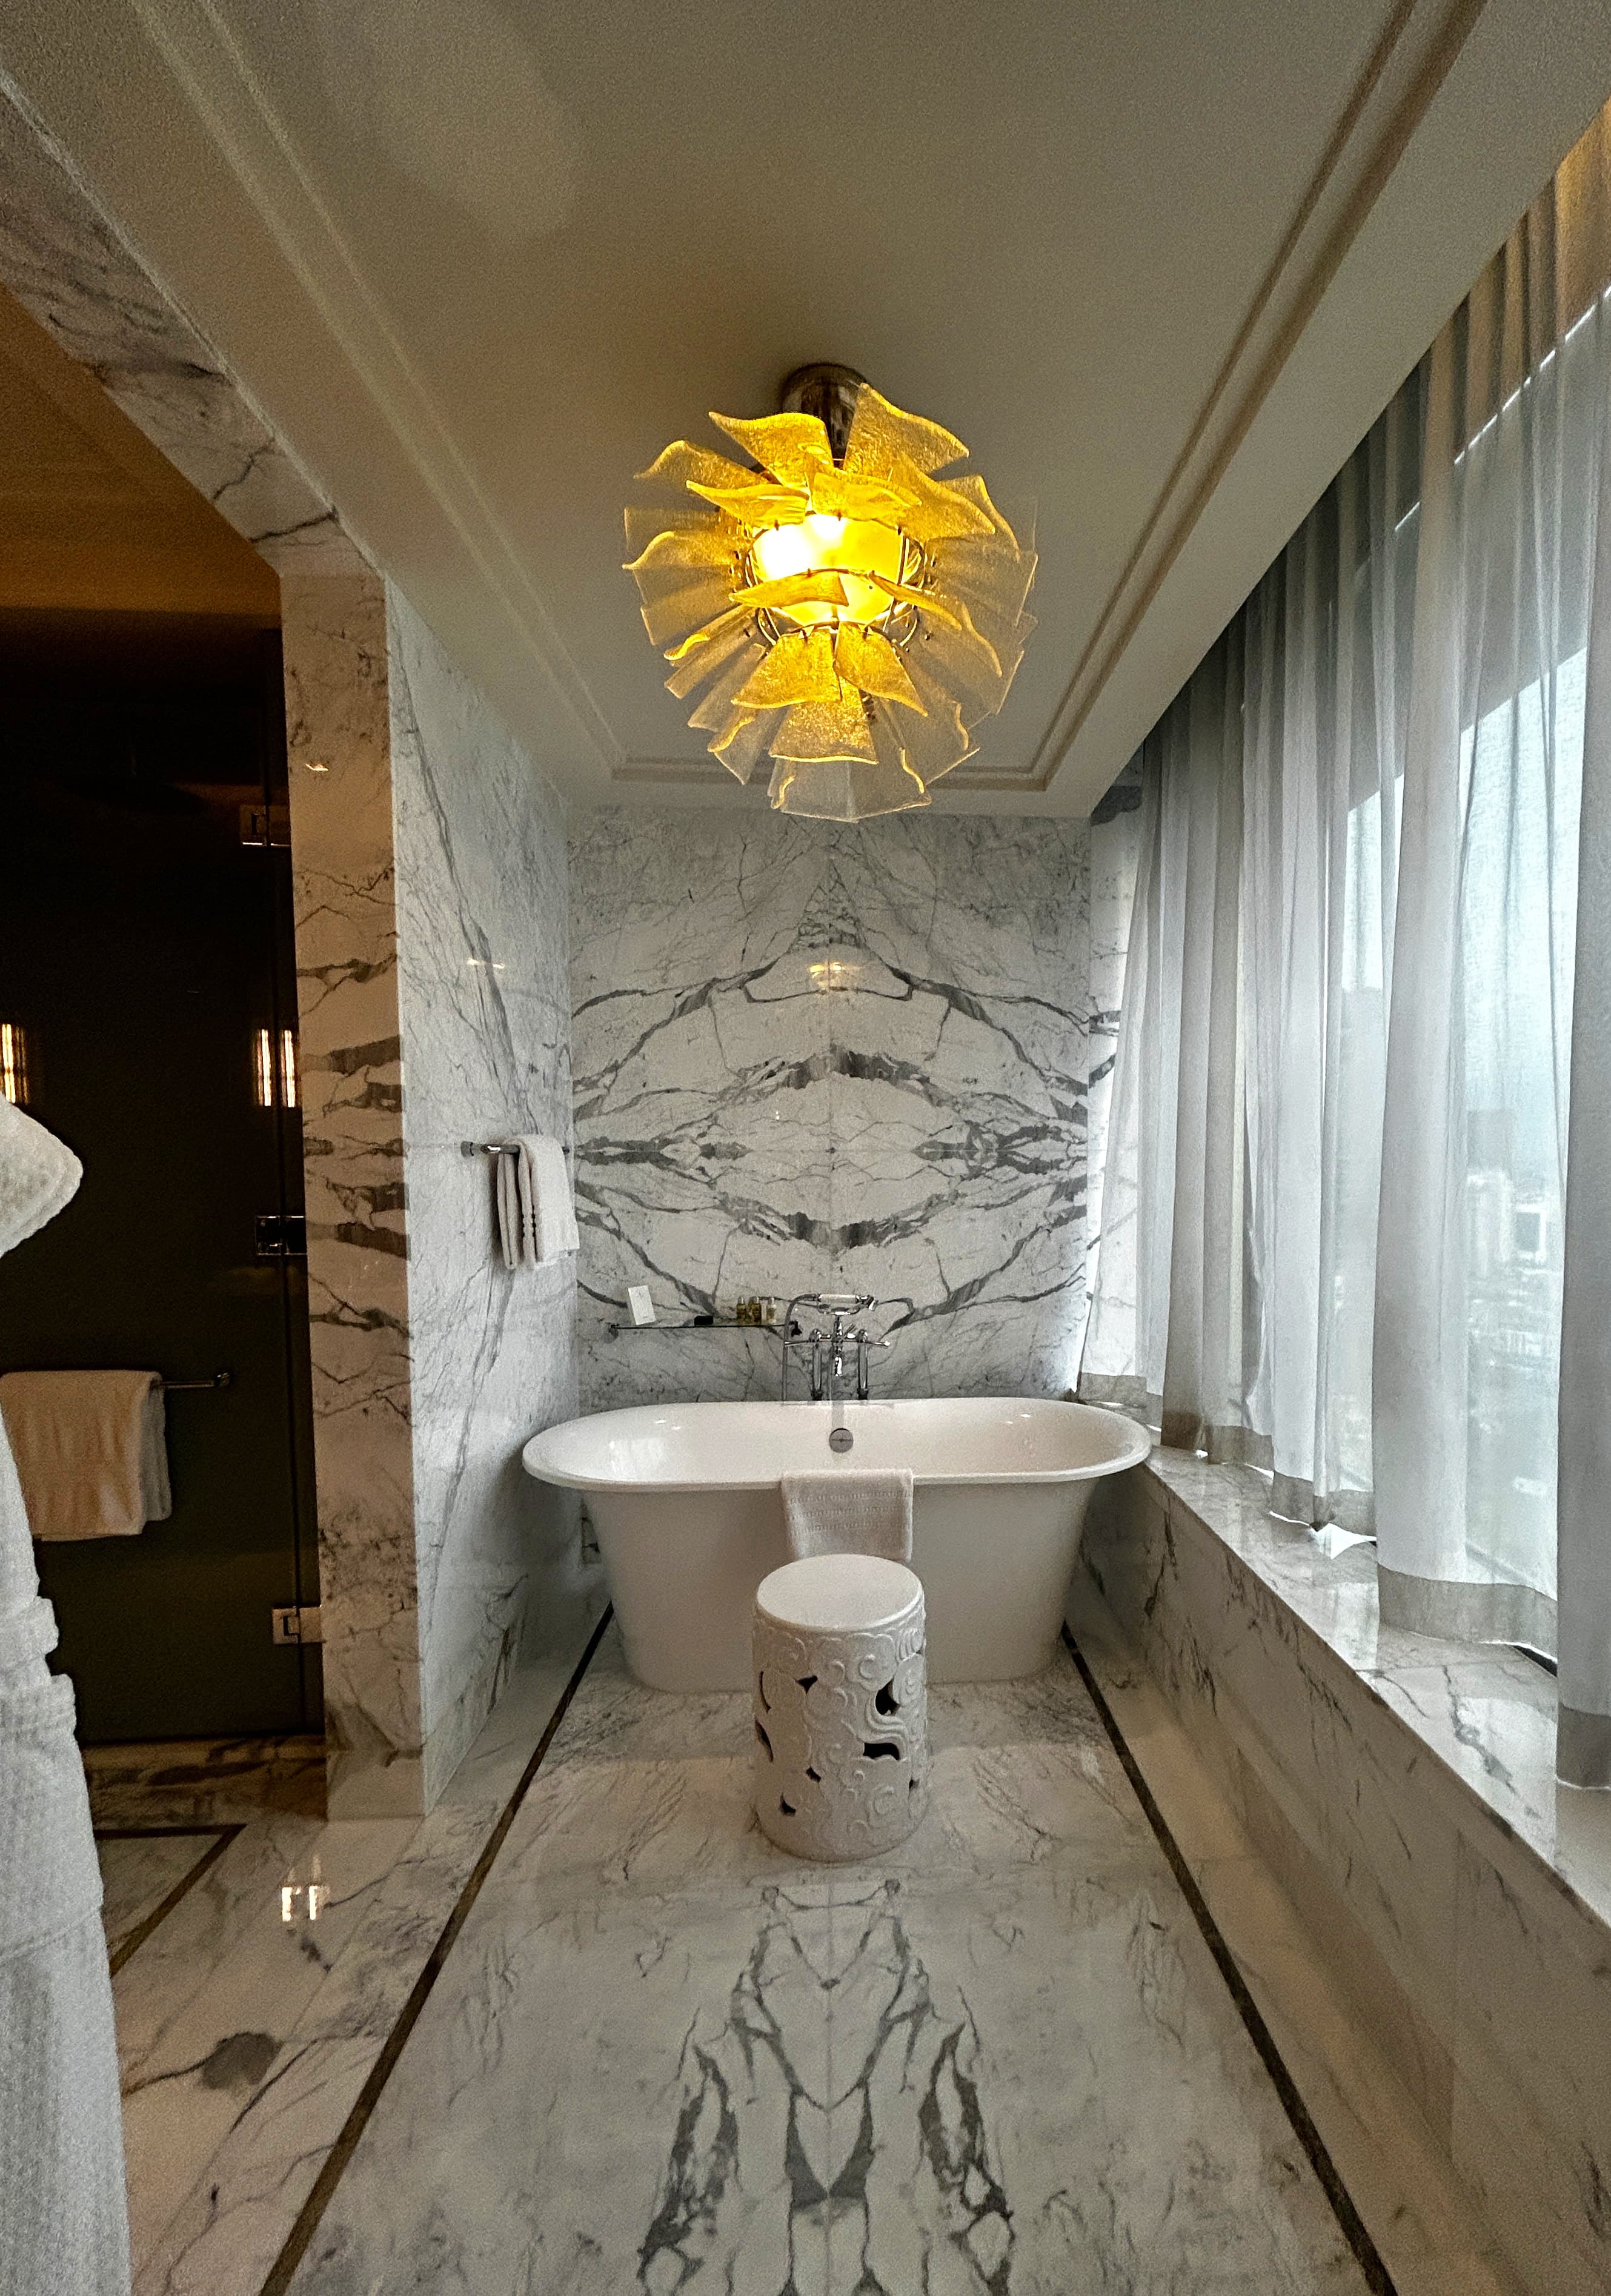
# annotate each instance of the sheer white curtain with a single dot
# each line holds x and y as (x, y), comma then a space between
(1233, 1300)
(1368, 1006)
(1164, 1332)
(1584, 1744)
(1468, 1337)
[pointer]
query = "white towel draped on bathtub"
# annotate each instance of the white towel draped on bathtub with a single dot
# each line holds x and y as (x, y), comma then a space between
(849, 1511)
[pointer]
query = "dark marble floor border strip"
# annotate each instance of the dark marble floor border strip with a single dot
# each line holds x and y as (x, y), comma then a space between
(1378, 2278)
(308, 2220)
(136, 1937)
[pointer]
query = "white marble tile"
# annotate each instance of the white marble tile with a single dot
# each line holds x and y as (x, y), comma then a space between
(1532, 1981)
(1484, 1712)
(1403, 2186)
(1404, 1788)
(483, 998)
(920, 1135)
(431, 923)
(292, 2018)
(137, 1872)
(663, 2051)
(186, 2082)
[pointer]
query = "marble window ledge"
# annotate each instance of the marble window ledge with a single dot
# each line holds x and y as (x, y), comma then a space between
(1484, 1713)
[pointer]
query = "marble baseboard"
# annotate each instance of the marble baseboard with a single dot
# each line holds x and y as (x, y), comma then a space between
(1401, 1791)
(204, 1780)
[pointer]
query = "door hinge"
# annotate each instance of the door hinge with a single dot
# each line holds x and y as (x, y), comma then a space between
(281, 1236)
(297, 1625)
(265, 825)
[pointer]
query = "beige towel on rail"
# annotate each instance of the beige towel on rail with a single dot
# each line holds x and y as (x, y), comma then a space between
(91, 1450)
(849, 1511)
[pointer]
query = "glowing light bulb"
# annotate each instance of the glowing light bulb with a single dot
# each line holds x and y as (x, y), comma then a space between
(852, 547)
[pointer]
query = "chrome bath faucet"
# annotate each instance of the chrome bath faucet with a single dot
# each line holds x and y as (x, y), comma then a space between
(828, 1351)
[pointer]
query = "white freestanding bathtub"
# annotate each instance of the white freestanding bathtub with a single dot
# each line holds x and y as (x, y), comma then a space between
(685, 1502)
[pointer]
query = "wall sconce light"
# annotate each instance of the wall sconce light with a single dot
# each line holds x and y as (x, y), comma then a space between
(263, 1052)
(13, 1063)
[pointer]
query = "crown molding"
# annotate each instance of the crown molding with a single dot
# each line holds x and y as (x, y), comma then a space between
(1455, 122)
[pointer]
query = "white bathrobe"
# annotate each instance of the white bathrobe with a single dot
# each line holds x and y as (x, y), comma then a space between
(63, 2207)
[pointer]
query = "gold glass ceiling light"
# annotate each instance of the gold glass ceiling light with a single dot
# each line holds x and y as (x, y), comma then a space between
(836, 605)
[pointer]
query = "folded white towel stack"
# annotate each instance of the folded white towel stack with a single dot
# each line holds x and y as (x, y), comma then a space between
(91, 1449)
(849, 1511)
(536, 1217)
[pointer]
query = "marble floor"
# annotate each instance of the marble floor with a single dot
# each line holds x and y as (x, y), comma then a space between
(586, 2029)
(664, 2054)
(144, 1872)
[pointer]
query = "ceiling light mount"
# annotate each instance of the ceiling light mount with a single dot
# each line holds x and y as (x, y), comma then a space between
(838, 606)
(830, 393)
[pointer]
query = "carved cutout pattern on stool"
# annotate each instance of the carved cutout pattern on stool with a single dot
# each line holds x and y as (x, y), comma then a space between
(841, 1737)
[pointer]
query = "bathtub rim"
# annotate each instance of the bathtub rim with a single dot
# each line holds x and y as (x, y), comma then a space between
(1139, 1445)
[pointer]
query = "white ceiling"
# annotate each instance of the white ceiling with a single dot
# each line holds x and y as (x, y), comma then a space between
(480, 259)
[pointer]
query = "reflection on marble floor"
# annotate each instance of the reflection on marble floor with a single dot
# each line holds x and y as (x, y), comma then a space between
(664, 2055)
(250, 2018)
(137, 1872)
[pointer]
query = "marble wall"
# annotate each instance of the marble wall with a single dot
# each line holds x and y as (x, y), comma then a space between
(483, 998)
(921, 1132)
(1403, 1791)
(63, 259)
(429, 860)
(338, 713)
(428, 856)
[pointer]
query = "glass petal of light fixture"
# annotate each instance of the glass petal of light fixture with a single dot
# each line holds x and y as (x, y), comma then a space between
(834, 604)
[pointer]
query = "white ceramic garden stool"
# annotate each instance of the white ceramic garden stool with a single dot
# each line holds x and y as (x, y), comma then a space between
(841, 1706)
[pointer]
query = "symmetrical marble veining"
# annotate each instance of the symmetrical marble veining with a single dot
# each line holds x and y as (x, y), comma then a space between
(483, 995)
(1403, 1790)
(663, 2053)
(817, 1057)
